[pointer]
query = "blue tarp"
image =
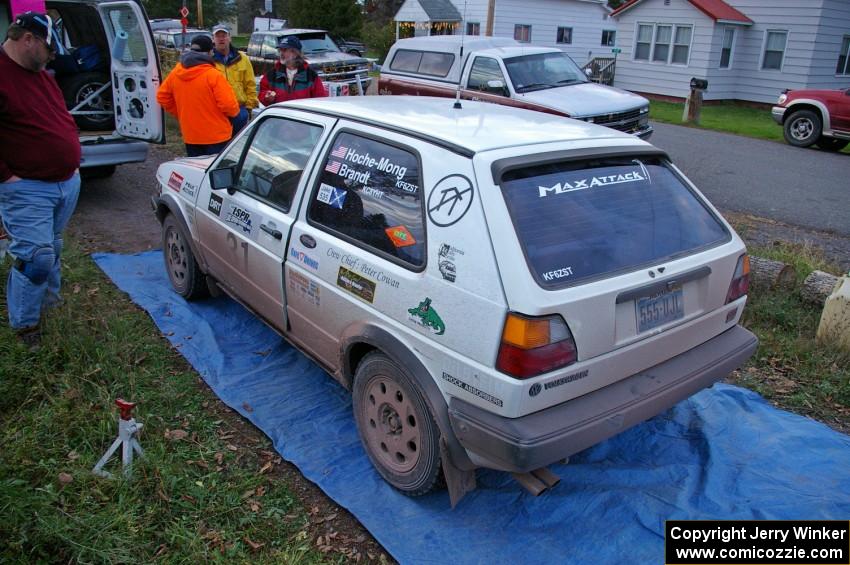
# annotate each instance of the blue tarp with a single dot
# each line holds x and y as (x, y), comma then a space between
(723, 454)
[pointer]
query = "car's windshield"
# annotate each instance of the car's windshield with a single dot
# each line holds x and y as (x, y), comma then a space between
(543, 70)
(317, 42)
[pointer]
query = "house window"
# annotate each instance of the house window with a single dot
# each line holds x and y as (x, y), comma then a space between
(774, 50)
(609, 36)
(843, 67)
(726, 48)
(565, 35)
(681, 45)
(663, 43)
(473, 28)
(522, 33)
(661, 49)
(644, 42)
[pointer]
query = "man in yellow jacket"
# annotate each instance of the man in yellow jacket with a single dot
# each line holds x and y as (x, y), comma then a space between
(199, 95)
(239, 72)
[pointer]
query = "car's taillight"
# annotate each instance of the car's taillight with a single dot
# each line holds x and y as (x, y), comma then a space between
(532, 346)
(740, 280)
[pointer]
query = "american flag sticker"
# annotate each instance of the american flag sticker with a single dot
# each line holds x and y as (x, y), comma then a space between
(340, 152)
(333, 167)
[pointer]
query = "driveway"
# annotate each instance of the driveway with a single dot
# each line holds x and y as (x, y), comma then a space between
(801, 187)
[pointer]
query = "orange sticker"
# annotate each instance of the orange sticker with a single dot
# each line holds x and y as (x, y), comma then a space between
(400, 236)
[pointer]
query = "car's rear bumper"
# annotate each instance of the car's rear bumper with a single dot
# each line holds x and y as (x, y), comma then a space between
(778, 112)
(539, 439)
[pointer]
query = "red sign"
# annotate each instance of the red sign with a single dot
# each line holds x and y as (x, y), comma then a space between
(400, 236)
(184, 11)
(184, 22)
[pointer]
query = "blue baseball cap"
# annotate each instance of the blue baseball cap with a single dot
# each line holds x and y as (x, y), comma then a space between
(289, 42)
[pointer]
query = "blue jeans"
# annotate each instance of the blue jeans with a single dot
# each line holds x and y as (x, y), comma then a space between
(239, 121)
(34, 214)
(196, 150)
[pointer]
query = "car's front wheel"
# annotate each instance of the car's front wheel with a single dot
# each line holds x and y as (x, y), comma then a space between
(832, 144)
(396, 427)
(180, 264)
(803, 128)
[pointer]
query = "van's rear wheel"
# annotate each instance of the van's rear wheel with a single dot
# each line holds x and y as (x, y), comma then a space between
(396, 427)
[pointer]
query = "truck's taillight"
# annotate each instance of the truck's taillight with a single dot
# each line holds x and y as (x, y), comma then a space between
(532, 346)
(740, 280)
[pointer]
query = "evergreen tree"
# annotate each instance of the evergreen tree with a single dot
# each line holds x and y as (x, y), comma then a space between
(342, 17)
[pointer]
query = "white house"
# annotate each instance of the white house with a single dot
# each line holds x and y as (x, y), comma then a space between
(746, 49)
(581, 28)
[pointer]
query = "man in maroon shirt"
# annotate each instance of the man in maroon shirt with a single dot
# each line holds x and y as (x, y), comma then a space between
(39, 170)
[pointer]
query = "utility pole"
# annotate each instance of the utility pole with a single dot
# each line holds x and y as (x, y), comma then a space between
(200, 14)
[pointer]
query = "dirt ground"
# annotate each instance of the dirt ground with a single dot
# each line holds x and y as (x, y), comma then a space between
(115, 215)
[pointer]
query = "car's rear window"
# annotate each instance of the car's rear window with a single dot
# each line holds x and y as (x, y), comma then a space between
(579, 221)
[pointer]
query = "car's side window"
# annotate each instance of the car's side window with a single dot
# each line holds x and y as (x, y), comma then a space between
(269, 46)
(369, 192)
(484, 70)
(275, 159)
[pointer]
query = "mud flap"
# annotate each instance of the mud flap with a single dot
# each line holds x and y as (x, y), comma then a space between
(458, 482)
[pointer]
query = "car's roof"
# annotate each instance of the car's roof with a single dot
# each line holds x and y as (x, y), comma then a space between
(477, 126)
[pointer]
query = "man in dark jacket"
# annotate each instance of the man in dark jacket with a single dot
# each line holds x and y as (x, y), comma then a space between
(39, 170)
(291, 78)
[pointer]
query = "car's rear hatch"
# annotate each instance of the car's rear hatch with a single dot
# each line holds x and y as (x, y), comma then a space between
(621, 246)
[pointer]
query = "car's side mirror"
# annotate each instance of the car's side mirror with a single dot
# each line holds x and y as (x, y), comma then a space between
(497, 87)
(222, 179)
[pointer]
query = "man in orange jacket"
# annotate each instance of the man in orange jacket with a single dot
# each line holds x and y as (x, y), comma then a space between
(201, 99)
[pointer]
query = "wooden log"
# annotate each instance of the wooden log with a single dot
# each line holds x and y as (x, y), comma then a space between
(767, 273)
(818, 286)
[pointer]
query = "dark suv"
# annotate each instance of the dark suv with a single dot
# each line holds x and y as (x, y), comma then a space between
(323, 54)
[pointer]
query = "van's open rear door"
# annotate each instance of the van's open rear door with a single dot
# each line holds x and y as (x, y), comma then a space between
(135, 71)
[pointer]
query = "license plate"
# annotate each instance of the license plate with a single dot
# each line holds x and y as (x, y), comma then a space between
(657, 310)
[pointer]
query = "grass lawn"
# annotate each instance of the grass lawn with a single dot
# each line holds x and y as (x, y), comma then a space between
(196, 497)
(726, 117)
(790, 368)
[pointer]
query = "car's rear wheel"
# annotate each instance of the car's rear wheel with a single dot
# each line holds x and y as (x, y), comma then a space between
(832, 144)
(803, 128)
(396, 427)
(180, 264)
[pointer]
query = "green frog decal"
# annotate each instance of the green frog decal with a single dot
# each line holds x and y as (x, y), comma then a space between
(428, 316)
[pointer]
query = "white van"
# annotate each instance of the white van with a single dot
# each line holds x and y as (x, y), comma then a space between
(109, 74)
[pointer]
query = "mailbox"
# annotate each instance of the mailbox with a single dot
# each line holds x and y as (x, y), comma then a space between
(699, 84)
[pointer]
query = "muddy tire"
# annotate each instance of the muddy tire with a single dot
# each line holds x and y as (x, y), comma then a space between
(180, 264)
(396, 427)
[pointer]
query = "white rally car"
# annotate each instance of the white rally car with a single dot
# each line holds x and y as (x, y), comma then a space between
(498, 287)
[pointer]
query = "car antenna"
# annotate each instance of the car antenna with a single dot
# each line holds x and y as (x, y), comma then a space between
(457, 105)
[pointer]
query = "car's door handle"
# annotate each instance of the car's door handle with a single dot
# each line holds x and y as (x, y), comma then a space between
(307, 240)
(271, 231)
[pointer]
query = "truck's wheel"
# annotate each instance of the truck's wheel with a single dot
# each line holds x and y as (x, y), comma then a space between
(180, 264)
(78, 87)
(99, 172)
(802, 128)
(396, 427)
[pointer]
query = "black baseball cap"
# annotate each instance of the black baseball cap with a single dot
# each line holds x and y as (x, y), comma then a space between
(201, 43)
(38, 24)
(289, 42)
